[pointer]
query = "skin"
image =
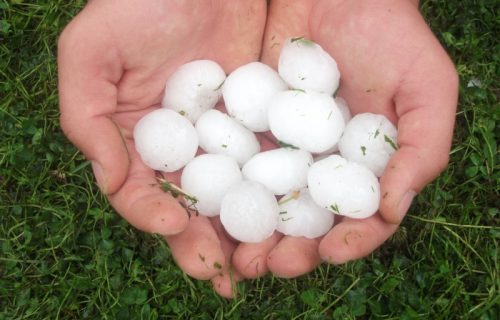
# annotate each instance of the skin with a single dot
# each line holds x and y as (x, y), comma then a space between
(390, 63)
(115, 57)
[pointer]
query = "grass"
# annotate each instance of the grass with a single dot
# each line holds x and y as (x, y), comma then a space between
(64, 253)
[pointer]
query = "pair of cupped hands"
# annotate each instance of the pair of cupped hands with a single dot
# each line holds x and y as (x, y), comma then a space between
(116, 55)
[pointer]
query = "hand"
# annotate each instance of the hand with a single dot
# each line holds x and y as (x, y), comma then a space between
(114, 59)
(391, 64)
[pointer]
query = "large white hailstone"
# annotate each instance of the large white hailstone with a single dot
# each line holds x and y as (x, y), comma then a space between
(194, 88)
(300, 216)
(247, 92)
(165, 140)
(221, 134)
(369, 139)
(304, 65)
(344, 187)
(249, 212)
(305, 119)
(208, 177)
(280, 170)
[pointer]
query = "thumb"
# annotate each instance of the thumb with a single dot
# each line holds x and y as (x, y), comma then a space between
(88, 68)
(425, 104)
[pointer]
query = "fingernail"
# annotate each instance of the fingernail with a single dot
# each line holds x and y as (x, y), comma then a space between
(99, 175)
(405, 203)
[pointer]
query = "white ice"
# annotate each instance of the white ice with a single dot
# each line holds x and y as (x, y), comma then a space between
(343, 187)
(194, 88)
(208, 177)
(280, 170)
(249, 212)
(165, 140)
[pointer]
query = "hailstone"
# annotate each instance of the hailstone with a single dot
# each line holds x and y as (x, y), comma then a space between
(305, 119)
(247, 92)
(343, 187)
(194, 88)
(304, 65)
(249, 212)
(221, 134)
(165, 140)
(208, 177)
(300, 216)
(280, 170)
(369, 139)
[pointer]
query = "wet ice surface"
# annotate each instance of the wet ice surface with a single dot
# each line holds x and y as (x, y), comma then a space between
(344, 187)
(194, 88)
(280, 170)
(247, 92)
(165, 140)
(300, 216)
(307, 120)
(249, 212)
(208, 177)
(369, 139)
(218, 133)
(304, 65)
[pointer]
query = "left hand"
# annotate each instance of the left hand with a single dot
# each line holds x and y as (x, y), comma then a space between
(390, 64)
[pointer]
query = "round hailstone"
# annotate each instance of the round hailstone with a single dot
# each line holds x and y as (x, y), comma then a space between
(247, 92)
(304, 65)
(194, 88)
(221, 134)
(343, 187)
(165, 140)
(249, 212)
(300, 216)
(280, 170)
(305, 119)
(208, 177)
(369, 139)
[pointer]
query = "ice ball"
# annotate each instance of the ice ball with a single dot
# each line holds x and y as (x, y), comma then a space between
(249, 212)
(247, 92)
(307, 120)
(165, 140)
(369, 139)
(300, 216)
(304, 65)
(208, 177)
(194, 88)
(343, 187)
(221, 134)
(280, 170)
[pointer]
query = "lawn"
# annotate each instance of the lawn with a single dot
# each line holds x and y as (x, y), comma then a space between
(65, 254)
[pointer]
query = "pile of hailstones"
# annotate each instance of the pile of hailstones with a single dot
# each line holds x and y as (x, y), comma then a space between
(307, 174)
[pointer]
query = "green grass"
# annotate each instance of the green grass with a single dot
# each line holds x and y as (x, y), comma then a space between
(65, 254)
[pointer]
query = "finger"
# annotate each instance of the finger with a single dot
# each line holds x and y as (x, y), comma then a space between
(285, 19)
(353, 239)
(225, 282)
(143, 203)
(197, 250)
(88, 69)
(294, 256)
(250, 259)
(425, 104)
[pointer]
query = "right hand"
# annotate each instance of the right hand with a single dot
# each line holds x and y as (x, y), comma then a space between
(114, 59)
